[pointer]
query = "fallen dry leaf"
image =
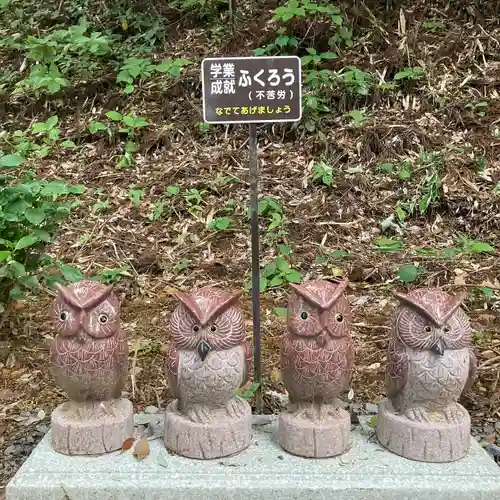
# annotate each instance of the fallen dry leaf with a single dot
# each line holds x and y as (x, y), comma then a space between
(127, 444)
(141, 450)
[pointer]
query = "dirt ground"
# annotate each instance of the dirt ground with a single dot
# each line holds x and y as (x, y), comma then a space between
(425, 123)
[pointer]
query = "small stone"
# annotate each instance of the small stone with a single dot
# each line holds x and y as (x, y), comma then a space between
(493, 450)
(151, 409)
(497, 426)
(10, 450)
(371, 408)
(42, 429)
(488, 430)
(25, 414)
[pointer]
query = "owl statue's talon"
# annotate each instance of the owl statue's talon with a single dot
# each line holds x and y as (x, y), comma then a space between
(452, 416)
(199, 414)
(234, 408)
(417, 415)
(326, 411)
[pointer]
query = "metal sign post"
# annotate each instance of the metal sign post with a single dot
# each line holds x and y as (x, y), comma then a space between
(252, 90)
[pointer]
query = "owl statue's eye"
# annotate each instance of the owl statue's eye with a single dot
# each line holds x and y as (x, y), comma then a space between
(213, 328)
(196, 328)
(63, 316)
(427, 329)
(304, 315)
(103, 318)
(447, 329)
(339, 318)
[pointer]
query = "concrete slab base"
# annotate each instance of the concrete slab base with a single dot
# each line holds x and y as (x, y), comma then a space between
(264, 471)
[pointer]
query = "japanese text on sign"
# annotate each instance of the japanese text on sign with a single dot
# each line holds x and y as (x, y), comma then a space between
(251, 89)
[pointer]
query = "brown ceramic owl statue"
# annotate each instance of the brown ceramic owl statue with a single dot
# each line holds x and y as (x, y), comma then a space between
(430, 362)
(317, 355)
(90, 363)
(208, 361)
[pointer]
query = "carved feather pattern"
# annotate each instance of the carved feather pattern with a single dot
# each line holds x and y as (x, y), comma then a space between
(89, 357)
(209, 315)
(416, 375)
(211, 382)
(316, 350)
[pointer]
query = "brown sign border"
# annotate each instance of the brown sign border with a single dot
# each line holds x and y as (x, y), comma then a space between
(283, 120)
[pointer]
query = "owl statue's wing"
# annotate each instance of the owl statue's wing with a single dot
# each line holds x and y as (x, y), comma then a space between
(397, 368)
(172, 370)
(472, 371)
(248, 374)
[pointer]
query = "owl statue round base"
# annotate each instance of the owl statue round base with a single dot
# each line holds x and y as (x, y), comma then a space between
(438, 440)
(321, 438)
(92, 428)
(217, 434)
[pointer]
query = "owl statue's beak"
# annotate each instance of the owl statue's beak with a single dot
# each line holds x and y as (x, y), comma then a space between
(439, 347)
(203, 349)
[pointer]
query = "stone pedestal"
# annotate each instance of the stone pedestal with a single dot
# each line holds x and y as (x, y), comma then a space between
(91, 428)
(221, 437)
(315, 439)
(436, 441)
(262, 472)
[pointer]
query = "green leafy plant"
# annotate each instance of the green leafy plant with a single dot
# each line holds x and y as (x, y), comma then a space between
(221, 223)
(323, 174)
(58, 56)
(248, 393)
(388, 244)
(480, 108)
(333, 256)
(276, 273)
(129, 125)
(136, 70)
(409, 273)
(409, 74)
(358, 117)
(30, 212)
(109, 276)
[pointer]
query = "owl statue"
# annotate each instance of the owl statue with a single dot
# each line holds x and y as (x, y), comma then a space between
(430, 361)
(317, 352)
(89, 353)
(209, 357)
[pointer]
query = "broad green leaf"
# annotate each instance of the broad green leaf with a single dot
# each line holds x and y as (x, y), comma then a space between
(54, 188)
(4, 255)
(16, 293)
(282, 264)
(10, 161)
(30, 282)
(114, 115)
(68, 144)
(35, 215)
(276, 281)
(263, 284)
(51, 121)
(408, 273)
(70, 273)
(95, 127)
(480, 247)
(17, 269)
(41, 234)
(281, 311)
(25, 242)
(293, 276)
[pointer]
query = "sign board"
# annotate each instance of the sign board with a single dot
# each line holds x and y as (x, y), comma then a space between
(251, 89)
